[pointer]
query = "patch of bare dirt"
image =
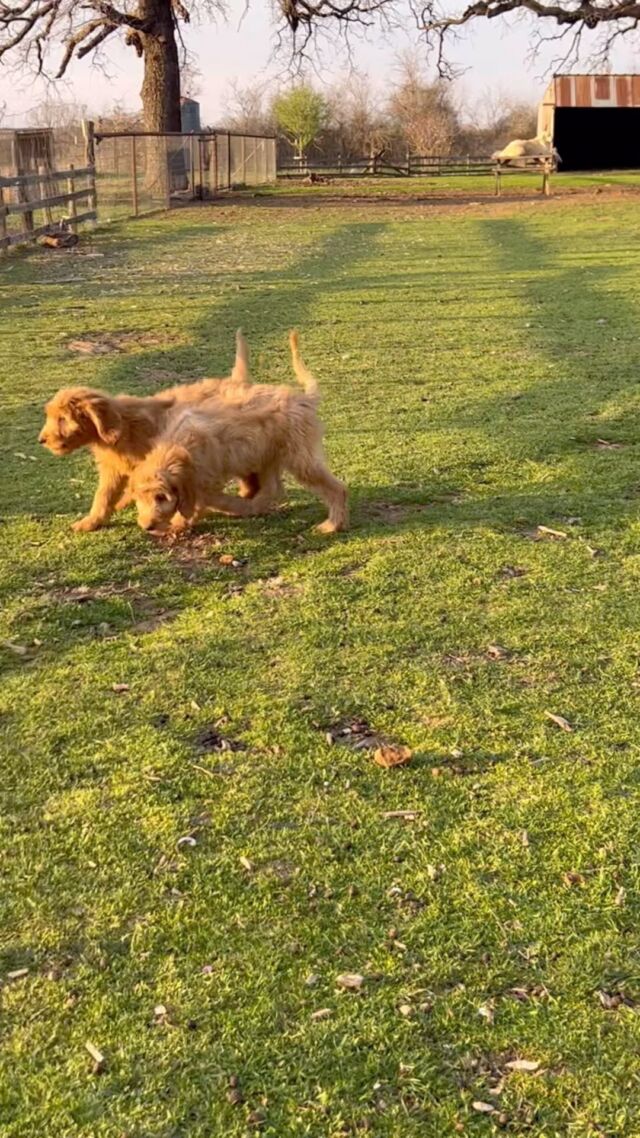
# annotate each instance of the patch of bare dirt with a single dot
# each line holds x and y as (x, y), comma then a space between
(148, 614)
(105, 343)
(391, 512)
(194, 553)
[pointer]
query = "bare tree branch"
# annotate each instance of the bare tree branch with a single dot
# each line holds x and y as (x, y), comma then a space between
(613, 18)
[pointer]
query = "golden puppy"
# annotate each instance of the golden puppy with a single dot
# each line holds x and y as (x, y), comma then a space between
(267, 430)
(120, 430)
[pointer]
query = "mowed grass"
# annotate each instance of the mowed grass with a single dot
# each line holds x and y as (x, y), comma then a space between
(514, 182)
(470, 362)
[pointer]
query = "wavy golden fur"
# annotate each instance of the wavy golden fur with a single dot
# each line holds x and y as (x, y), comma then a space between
(121, 430)
(266, 429)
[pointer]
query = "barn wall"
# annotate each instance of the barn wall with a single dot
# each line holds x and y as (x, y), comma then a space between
(596, 90)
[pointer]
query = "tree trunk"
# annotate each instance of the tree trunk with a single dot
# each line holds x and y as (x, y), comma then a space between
(161, 84)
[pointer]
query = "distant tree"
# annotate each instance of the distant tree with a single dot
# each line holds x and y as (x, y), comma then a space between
(248, 108)
(358, 119)
(54, 113)
(301, 113)
(423, 111)
(118, 119)
(497, 119)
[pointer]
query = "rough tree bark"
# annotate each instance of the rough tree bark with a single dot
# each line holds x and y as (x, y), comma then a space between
(161, 83)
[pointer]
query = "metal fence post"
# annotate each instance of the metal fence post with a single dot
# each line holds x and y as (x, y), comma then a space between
(3, 220)
(200, 142)
(228, 160)
(134, 176)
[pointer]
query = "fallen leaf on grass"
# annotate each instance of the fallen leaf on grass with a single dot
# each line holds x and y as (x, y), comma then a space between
(612, 1000)
(487, 1012)
(607, 444)
(235, 1096)
(246, 864)
(322, 1013)
(522, 1065)
(356, 733)
(497, 652)
(187, 840)
(559, 721)
(483, 1107)
(119, 689)
(350, 981)
(573, 878)
(235, 562)
(392, 755)
(18, 974)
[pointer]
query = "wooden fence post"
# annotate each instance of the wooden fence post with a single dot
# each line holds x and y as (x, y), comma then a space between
(90, 160)
(228, 160)
(45, 192)
(71, 187)
(134, 176)
(546, 178)
(498, 183)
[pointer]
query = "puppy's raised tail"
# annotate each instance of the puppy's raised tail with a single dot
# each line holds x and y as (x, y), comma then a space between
(240, 369)
(303, 375)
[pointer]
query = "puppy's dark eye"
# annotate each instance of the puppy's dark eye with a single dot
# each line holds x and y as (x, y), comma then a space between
(161, 499)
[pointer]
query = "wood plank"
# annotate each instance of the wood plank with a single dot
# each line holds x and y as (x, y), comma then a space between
(43, 203)
(563, 92)
(603, 87)
(635, 90)
(623, 93)
(52, 176)
(583, 90)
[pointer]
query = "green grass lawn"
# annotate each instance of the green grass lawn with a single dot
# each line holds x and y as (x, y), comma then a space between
(470, 360)
(453, 185)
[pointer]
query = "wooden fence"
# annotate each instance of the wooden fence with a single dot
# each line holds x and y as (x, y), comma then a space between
(52, 194)
(377, 165)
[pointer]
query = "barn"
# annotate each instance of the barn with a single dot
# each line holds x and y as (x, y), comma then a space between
(594, 121)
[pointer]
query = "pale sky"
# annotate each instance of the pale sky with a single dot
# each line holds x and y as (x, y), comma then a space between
(494, 54)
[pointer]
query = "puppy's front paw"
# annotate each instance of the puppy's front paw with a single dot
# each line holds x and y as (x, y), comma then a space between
(327, 527)
(86, 525)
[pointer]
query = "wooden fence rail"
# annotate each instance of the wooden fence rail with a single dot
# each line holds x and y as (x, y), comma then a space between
(23, 195)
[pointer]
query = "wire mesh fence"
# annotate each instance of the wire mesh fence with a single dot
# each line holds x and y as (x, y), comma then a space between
(140, 172)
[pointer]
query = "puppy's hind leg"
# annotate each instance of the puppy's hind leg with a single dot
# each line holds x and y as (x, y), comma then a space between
(316, 476)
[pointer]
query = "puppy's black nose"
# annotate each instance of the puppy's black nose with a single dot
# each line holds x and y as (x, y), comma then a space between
(42, 441)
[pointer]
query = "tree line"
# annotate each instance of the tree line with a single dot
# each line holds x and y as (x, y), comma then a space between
(354, 120)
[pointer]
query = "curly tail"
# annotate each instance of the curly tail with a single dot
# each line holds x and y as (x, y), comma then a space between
(240, 369)
(303, 375)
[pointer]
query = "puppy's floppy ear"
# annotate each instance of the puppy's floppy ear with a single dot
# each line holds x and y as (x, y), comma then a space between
(104, 415)
(182, 479)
